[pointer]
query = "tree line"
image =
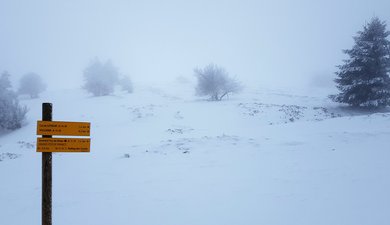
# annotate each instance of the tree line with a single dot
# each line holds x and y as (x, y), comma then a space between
(362, 80)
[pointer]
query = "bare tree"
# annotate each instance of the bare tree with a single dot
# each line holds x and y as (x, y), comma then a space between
(11, 113)
(31, 84)
(100, 78)
(215, 82)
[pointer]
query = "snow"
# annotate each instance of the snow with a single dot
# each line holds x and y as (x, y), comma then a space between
(163, 156)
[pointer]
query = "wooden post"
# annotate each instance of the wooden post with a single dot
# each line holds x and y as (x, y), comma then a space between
(46, 172)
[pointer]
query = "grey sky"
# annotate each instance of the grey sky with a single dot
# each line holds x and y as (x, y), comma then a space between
(262, 42)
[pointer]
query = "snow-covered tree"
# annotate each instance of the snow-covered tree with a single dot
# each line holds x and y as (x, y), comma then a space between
(363, 79)
(215, 82)
(11, 113)
(100, 78)
(126, 84)
(31, 84)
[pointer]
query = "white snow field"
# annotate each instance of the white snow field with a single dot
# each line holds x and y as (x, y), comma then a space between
(170, 158)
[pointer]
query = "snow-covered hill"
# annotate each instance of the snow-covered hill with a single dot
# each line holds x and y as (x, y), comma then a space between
(166, 157)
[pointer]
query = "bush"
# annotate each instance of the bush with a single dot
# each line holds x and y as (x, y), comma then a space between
(215, 82)
(11, 113)
(31, 84)
(100, 79)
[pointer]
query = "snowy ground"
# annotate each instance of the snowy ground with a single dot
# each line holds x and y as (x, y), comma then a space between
(169, 158)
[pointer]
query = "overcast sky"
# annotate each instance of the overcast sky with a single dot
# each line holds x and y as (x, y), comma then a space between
(269, 42)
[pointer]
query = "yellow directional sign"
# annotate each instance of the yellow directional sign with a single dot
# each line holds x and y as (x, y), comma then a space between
(63, 128)
(63, 145)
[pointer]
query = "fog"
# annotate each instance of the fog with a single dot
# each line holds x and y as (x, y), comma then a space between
(266, 43)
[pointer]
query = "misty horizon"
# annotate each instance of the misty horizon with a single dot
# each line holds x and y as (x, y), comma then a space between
(262, 43)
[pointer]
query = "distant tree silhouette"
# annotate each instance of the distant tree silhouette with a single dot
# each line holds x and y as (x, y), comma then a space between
(100, 78)
(31, 84)
(214, 81)
(126, 84)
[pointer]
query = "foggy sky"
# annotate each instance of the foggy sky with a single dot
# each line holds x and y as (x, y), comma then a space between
(269, 42)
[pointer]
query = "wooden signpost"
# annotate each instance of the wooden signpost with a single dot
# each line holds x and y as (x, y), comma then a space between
(46, 144)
